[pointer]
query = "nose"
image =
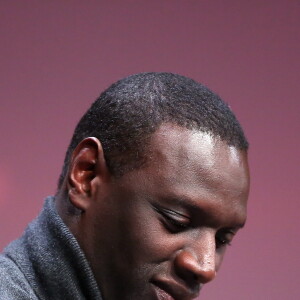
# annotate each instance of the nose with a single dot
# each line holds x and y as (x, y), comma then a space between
(197, 266)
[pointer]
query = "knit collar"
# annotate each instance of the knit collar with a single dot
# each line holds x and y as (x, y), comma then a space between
(52, 260)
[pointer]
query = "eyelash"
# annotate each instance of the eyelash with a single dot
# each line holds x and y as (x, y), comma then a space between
(180, 226)
(221, 239)
(173, 225)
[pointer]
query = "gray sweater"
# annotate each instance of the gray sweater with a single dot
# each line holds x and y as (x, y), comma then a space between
(46, 263)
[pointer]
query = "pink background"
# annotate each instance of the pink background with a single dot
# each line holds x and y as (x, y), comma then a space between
(57, 56)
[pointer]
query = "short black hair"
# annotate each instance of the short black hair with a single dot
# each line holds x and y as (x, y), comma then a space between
(130, 110)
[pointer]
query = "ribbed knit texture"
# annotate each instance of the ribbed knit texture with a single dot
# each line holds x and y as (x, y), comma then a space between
(46, 263)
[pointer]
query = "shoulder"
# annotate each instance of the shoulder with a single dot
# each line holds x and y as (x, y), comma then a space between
(13, 283)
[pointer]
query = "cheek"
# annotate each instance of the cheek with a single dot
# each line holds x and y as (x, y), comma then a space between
(219, 258)
(147, 240)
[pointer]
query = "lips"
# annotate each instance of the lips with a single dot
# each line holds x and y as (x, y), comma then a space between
(169, 290)
(162, 294)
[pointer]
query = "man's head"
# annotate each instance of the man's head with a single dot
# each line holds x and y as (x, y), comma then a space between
(129, 111)
(157, 173)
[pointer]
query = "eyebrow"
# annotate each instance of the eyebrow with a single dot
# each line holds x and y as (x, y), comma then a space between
(238, 226)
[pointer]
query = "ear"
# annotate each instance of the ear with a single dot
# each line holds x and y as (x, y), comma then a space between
(86, 166)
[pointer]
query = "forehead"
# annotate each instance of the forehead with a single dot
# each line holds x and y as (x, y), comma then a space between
(176, 146)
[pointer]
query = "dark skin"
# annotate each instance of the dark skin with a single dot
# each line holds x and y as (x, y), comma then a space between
(158, 232)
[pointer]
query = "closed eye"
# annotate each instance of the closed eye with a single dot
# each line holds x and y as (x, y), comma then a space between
(224, 238)
(174, 221)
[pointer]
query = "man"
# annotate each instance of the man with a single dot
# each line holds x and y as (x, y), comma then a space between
(154, 187)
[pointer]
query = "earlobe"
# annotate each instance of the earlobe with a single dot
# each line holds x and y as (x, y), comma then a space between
(86, 163)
